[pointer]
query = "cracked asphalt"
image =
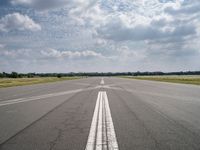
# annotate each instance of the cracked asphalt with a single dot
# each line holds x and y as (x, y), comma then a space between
(147, 115)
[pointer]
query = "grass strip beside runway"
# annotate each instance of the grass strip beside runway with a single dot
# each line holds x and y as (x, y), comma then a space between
(9, 82)
(185, 79)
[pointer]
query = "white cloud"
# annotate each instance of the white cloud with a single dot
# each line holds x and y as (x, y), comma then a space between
(2, 45)
(53, 53)
(160, 33)
(17, 21)
(48, 60)
(127, 54)
(48, 53)
(17, 54)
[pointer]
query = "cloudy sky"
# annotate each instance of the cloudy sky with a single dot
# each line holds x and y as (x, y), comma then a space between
(99, 35)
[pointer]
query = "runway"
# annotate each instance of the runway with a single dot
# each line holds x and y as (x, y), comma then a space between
(100, 113)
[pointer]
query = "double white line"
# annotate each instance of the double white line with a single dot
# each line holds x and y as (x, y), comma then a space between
(102, 134)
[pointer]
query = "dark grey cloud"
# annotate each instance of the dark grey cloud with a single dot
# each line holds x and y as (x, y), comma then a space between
(186, 8)
(51, 4)
(184, 30)
(118, 31)
(40, 4)
(4, 3)
(159, 23)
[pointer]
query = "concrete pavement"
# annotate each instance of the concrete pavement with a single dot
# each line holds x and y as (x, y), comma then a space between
(146, 115)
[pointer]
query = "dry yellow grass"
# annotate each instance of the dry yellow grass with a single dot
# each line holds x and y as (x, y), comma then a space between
(9, 82)
(185, 79)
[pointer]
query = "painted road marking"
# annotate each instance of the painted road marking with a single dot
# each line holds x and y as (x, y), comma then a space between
(33, 98)
(102, 134)
(102, 81)
(112, 140)
(92, 134)
(99, 127)
(20, 100)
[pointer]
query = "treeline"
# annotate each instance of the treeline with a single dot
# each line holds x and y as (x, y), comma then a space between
(71, 74)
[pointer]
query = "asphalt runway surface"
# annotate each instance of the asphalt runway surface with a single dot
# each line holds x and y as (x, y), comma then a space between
(100, 113)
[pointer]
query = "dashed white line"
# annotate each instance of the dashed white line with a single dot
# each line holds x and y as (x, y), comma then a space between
(102, 134)
(102, 81)
(20, 100)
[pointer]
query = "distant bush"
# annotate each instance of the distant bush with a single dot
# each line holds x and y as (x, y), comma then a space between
(14, 75)
(88, 74)
(59, 75)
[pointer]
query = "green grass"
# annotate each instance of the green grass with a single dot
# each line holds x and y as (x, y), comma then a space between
(9, 82)
(185, 79)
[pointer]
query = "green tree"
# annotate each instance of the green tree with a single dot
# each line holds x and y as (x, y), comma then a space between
(14, 75)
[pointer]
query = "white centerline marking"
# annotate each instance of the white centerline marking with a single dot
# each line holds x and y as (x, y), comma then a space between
(102, 81)
(92, 134)
(112, 140)
(99, 127)
(102, 134)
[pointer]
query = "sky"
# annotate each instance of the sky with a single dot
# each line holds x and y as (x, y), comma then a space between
(99, 35)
